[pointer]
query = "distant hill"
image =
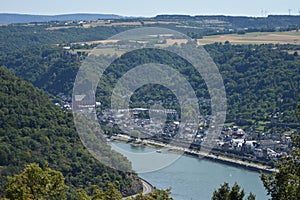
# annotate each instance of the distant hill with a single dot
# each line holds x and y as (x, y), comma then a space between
(238, 21)
(8, 18)
(234, 21)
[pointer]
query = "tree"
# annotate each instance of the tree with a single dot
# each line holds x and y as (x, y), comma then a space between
(161, 194)
(112, 193)
(235, 193)
(36, 183)
(251, 196)
(222, 192)
(98, 194)
(285, 184)
(298, 110)
(82, 195)
(156, 194)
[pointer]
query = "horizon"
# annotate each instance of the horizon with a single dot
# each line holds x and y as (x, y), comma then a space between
(180, 14)
(136, 8)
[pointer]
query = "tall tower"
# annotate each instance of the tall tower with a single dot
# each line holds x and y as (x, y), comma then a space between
(290, 10)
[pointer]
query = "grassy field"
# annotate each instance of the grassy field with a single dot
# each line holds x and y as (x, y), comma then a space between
(261, 126)
(105, 51)
(292, 52)
(291, 37)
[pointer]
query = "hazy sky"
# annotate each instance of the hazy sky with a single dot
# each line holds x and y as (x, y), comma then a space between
(152, 7)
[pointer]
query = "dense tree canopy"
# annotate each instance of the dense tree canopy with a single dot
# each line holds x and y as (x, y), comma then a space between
(111, 193)
(33, 129)
(261, 81)
(46, 184)
(36, 183)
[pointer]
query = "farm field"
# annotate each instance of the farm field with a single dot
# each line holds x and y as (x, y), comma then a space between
(291, 37)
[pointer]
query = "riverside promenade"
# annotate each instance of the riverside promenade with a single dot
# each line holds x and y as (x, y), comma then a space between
(216, 158)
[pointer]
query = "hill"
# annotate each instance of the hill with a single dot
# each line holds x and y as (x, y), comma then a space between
(64, 32)
(33, 129)
(9, 18)
(237, 21)
(260, 80)
(249, 70)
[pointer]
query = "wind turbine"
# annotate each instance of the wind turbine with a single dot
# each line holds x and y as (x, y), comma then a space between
(266, 13)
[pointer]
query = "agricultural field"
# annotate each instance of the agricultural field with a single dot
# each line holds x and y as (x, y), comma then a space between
(291, 37)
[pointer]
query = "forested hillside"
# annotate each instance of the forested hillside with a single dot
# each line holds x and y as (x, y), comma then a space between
(47, 67)
(25, 18)
(32, 129)
(239, 21)
(14, 37)
(261, 81)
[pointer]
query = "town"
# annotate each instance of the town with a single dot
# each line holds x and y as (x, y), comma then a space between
(233, 141)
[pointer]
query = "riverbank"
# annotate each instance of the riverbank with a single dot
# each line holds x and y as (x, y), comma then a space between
(200, 154)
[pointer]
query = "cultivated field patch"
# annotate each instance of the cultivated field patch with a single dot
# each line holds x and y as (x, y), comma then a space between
(291, 37)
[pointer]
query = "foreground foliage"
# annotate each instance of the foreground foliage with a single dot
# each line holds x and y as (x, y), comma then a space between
(234, 193)
(154, 195)
(111, 193)
(36, 183)
(46, 184)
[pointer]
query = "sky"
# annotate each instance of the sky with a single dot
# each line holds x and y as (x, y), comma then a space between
(152, 7)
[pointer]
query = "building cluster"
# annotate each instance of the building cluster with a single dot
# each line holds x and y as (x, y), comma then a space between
(254, 145)
(165, 124)
(233, 140)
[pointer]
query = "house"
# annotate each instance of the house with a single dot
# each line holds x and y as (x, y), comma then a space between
(271, 144)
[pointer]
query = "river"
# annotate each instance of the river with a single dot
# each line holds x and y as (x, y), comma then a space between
(192, 178)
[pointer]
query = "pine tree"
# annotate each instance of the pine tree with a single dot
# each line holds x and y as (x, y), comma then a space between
(234, 193)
